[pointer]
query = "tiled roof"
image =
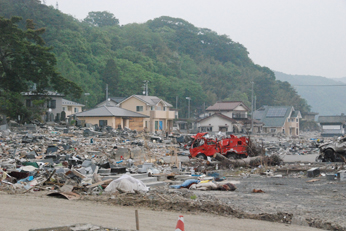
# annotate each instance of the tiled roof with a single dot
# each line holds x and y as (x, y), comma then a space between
(150, 100)
(46, 93)
(332, 119)
(109, 111)
(219, 115)
(66, 102)
(226, 106)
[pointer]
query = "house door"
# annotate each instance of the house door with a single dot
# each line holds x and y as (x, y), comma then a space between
(160, 127)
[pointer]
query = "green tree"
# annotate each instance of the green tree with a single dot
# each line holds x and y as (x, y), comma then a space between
(101, 19)
(110, 76)
(24, 59)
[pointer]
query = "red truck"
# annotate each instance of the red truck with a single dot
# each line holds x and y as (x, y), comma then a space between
(231, 147)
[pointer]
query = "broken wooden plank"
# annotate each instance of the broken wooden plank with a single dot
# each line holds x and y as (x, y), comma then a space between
(100, 183)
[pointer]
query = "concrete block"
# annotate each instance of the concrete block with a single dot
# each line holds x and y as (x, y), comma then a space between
(313, 172)
(136, 152)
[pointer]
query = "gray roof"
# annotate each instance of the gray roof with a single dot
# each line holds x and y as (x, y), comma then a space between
(66, 102)
(226, 106)
(332, 119)
(296, 114)
(277, 117)
(150, 100)
(109, 111)
(45, 93)
(117, 99)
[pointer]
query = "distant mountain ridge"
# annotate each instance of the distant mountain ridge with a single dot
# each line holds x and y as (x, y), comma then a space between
(343, 79)
(326, 100)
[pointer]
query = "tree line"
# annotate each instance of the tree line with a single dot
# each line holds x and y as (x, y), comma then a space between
(178, 59)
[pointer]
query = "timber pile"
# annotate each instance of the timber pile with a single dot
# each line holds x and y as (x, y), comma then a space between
(250, 161)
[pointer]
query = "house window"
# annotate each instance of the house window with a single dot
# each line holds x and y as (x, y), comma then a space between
(139, 108)
(296, 120)
(156, 125)
(146, 124)
(164, 108)
(223, 129)
(152, 108)
(64, 108)
(76, 109)
(69, 108)
(28, 103)
(102, 123)
(273, 130)
(206, 129)
(51, 104)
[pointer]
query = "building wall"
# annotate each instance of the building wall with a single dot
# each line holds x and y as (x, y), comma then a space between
(291, 127)
(45, 109)
(216, 122)
(132, 103)
(115, 122)
(136, 124)
(155, 116)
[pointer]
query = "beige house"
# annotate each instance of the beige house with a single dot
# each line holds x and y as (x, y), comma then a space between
(115, 117)
(279, 119)
(70, 107)
(159, 113)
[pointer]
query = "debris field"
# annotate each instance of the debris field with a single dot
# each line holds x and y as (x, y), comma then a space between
(127, 168)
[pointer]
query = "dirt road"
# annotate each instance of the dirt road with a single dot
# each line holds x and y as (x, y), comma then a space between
(23, 212)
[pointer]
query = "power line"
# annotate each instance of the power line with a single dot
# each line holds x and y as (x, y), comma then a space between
(339, 85)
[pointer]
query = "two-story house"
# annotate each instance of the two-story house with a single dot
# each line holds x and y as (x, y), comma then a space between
(279, 119)
(159, 111)
(70, 107)
(225, 116)
(232, 109)
(54, 104)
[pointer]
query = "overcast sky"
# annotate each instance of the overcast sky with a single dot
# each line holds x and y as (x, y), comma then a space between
(305, 37)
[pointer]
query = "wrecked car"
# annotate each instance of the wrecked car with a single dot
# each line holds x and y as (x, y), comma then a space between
(333, 151)
(232, 146)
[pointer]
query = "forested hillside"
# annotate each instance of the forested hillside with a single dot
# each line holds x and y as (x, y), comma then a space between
(326, 96)
(177, 58)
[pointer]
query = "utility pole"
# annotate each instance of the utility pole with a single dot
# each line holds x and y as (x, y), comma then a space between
(189, 99)
(146, 87)
(176, 102)
(251, 106)
(106, 91)
(57, 5)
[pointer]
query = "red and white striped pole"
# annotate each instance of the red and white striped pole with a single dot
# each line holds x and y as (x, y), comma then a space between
(180, 224)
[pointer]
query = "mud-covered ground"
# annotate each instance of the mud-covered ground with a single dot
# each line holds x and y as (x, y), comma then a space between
(315, 204)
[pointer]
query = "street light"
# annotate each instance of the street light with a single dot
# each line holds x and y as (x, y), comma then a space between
(86, 98)
(189, 99)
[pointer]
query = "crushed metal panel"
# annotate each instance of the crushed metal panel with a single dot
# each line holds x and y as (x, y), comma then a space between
(66, 195)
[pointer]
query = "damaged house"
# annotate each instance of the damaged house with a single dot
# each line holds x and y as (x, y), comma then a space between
(224, 116)
(114, 117)
(54, 108)
(332, 125)
(158, 113)
(279, 119)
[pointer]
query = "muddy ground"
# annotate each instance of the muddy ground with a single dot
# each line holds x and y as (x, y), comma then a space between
(319, 204)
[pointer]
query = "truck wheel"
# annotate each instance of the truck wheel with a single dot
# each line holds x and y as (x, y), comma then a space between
(329, 155)
(201, 156)
(231, 155)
